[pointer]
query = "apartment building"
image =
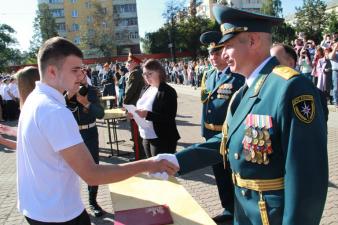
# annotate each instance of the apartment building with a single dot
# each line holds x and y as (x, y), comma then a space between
(74, 19)
(205, 9)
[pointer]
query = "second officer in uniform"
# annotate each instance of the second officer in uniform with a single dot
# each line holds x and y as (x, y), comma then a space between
(86, 108)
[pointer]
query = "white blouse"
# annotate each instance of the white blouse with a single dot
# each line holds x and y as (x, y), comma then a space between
(146, 103)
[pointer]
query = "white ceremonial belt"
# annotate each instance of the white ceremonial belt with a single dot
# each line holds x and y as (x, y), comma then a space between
(87, 126)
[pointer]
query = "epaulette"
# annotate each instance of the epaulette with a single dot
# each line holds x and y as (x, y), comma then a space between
(285, 72)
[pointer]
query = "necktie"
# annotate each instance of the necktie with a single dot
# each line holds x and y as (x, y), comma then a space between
(218, 77)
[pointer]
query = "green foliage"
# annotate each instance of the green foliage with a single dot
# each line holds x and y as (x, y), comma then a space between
(283, 33)
(98, 38)
(332, 23)
(8, 54)
(311, 19)
(44, 28)
(272, 7)
(183, 29)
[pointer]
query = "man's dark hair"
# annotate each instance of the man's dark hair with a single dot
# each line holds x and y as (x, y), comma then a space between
(54, 51)
(291, 52)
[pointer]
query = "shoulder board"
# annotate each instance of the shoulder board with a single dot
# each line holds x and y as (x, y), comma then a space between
(285, 72)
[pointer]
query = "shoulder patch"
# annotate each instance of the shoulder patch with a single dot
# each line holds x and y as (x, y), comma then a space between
(304, 108)
(285, 72)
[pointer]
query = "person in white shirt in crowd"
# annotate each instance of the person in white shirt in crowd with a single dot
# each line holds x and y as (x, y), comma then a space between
(26, 78)
(51, 155)
(9, 102)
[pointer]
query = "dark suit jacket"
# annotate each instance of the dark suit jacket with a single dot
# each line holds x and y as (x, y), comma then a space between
(164, 113)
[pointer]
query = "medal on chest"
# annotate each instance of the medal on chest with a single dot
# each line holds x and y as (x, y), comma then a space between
(256, 142)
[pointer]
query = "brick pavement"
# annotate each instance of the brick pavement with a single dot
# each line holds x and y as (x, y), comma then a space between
(200, 184)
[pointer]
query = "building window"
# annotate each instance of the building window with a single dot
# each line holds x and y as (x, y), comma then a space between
(77, 40)
(75, 13)
(75, 27)
(73, 1)
(89, 19)
(88, 5)
(61, 27)
(126, 22)
(133, 35)
(124, 8)
(58, 12)
(55, 1)
(104, 11)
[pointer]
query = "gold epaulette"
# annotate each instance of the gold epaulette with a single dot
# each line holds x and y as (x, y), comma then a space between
(285, 72)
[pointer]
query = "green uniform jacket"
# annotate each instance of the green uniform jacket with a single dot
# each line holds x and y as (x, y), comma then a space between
(134, 85)
(298, 137)
(218, 94)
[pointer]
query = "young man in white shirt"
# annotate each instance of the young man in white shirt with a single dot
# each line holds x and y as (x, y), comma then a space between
(51, 153)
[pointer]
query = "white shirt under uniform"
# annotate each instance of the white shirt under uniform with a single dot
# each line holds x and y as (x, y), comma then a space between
(146, 103)
(48, 188)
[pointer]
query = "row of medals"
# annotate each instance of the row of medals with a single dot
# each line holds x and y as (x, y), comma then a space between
(224, 93)
(257, 145)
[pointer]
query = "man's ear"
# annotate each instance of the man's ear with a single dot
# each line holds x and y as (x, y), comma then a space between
(52, 71)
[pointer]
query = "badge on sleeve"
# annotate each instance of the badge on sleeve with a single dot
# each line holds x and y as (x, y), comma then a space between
(304, 108)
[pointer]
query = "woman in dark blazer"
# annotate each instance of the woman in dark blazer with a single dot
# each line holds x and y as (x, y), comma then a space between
(158, 105)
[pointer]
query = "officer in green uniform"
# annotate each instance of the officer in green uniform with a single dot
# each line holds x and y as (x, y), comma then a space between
(275, 135)
(215, 96)
(134, 85)
(86, 108)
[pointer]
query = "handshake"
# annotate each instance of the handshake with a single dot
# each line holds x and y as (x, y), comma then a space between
(170, 158)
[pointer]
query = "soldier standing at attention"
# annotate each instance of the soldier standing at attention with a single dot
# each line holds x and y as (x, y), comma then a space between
(86, 108)
(134, 85)
(219, 86)
(275, 134)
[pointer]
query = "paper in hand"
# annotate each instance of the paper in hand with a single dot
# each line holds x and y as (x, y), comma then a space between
(140, 121)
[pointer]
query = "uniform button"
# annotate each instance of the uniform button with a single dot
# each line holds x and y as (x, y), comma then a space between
(212, 98)
(236, 155)
(209, 111)
(243, 192)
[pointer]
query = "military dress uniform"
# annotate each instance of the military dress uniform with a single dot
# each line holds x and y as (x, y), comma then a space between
(217, 89)
(275, 140)
(86, 117)
(134, 85)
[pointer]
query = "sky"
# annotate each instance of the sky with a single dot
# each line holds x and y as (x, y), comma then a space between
(19, 14)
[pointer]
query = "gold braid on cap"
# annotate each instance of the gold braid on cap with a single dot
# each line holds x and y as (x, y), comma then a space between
(213, 45)
(233, 29)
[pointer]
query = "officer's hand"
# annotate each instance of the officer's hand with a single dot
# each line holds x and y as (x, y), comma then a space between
(83, 100)
(162, 166)
(142, 113)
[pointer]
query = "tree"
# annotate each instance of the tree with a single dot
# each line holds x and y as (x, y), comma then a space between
(272, 8)
(99, 37)
(157, 42)
(332, 23)
(311, 19)
(8, 54)
(283, 33)
(44, 28)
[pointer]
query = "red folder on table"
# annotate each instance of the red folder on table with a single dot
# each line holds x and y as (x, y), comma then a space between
(154, 215)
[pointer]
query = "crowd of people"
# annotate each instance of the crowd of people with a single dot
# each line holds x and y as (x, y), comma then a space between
(9, 98)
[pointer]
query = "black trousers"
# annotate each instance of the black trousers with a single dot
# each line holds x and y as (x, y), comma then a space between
(153, 147)
(82, 219)
(91, 139)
